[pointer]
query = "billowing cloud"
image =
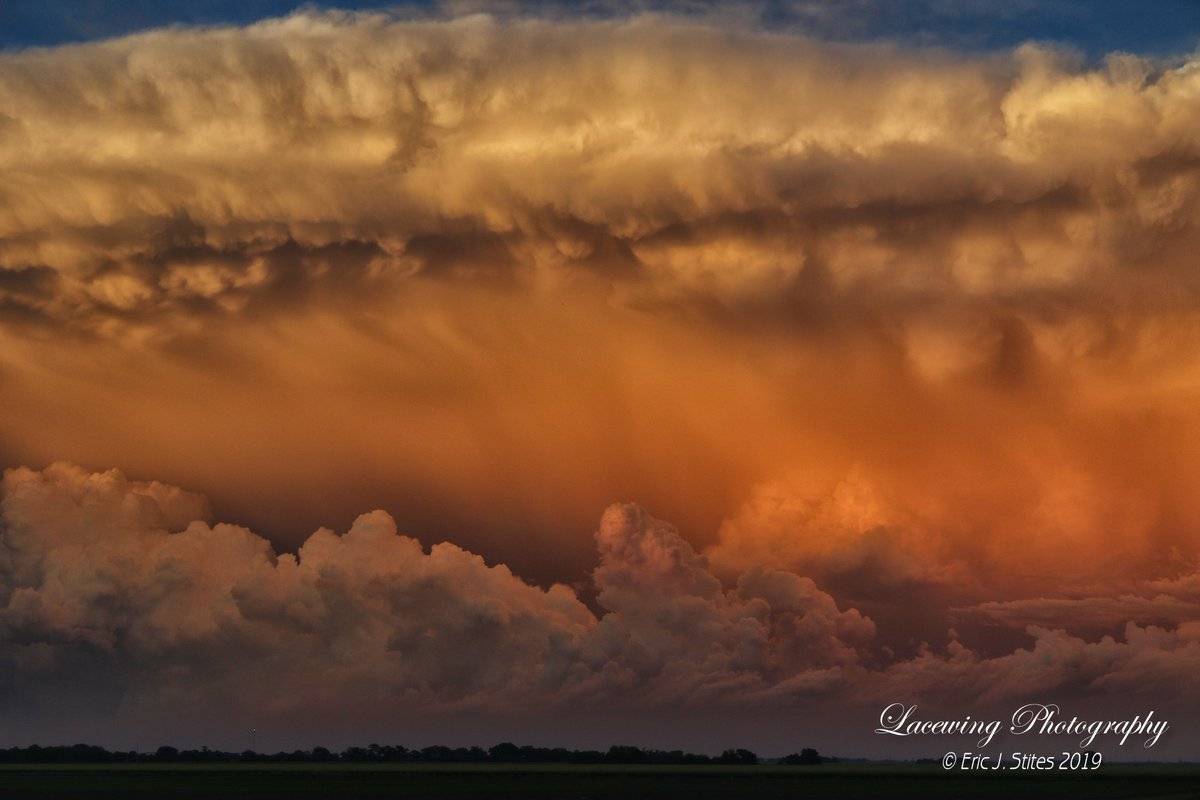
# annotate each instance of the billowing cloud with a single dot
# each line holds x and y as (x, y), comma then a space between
(107, 569)
(100, 568)
(680, 635)
(106, 580)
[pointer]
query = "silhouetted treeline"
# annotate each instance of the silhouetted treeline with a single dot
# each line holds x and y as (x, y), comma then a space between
(503, 753)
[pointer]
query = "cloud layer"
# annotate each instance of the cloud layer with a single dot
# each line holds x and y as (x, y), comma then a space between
(205, 169)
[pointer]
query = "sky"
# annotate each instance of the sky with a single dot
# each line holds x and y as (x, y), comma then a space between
(684, 377)
(1096, 28)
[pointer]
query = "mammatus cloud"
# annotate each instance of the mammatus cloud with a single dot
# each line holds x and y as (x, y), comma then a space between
(105, 579)
(208, 170)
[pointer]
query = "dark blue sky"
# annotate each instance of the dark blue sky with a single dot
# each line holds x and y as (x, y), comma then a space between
(1093, 26)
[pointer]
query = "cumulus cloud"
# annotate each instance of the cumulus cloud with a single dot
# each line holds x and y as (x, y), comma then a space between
(1010, 520)
(1146, 662)
(681, 636)
(100, 568)
(851, 531)
(109, 579)
(108, 568)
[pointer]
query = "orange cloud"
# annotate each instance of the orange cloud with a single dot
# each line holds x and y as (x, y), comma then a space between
(877, 320)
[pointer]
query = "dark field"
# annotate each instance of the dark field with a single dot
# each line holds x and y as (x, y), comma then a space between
(574, 782)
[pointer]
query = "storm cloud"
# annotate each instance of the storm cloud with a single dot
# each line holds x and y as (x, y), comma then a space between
(204, 169)
(864, 322)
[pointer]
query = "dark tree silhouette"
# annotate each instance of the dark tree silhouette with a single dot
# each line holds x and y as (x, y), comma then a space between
(505, 752)
(738, 757)
(807, 756)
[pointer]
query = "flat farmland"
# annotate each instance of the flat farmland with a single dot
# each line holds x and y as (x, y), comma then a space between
(577, 782)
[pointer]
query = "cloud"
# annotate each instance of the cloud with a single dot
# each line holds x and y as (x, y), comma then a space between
(200, 169)
(106, 578)
(886, 321)
(1166, 602)
(106, 566)
(1148, 664)
(849, 532)
(682, 637)
(424, 238)
(1017, 517)
(103, 569)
